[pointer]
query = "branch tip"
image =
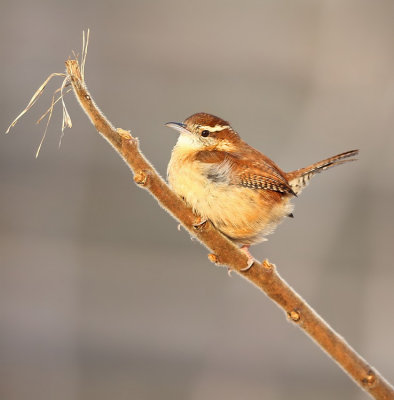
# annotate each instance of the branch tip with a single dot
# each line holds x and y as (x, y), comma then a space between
(126, 135)
(141, 178)
(268, 267)
(370, 380)
(213, 258)
(294, 315)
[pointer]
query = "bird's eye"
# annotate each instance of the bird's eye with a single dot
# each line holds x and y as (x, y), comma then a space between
(205, 133)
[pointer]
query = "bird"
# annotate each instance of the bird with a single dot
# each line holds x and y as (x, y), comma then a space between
(241, 191)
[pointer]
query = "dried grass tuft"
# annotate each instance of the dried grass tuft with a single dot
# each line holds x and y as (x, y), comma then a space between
(66, 121)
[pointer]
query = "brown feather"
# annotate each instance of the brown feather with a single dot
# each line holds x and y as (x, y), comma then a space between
(300, 178)
(210, 156)
(206, 119)
(261, 174)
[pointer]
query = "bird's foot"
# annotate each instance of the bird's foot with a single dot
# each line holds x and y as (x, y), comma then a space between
(199, 222)
(251, 259)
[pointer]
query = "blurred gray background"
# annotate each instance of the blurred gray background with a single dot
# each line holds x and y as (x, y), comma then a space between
(100, 296)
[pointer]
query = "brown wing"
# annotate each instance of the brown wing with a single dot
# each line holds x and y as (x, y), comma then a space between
(256, 171)
(237, 169)
(262, 175)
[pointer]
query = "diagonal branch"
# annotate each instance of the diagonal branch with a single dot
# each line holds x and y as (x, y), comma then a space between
(264, 275)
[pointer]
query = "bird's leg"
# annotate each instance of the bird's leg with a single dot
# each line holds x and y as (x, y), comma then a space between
(251, 259)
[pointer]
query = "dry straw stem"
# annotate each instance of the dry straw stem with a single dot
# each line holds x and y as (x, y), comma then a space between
(224, 252)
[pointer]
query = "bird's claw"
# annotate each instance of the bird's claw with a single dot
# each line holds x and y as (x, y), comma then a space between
(251, 259)
(199, 222)
(250, 263)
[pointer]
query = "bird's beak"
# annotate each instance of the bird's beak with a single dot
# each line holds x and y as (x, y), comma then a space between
(178, 126)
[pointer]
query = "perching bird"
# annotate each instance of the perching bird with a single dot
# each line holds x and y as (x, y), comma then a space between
(240, 190)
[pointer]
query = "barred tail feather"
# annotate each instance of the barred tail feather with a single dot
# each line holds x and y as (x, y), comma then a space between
(300, 178)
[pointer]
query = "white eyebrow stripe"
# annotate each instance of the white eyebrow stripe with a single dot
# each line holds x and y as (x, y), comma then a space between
(216, 128)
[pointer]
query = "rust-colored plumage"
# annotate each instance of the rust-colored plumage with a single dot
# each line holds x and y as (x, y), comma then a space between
(240, 190)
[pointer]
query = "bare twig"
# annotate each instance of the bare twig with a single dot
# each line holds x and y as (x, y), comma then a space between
(224, 252)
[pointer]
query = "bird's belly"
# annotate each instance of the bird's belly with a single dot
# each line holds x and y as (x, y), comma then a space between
(243, 214)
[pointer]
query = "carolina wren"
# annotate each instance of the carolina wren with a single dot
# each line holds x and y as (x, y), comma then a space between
(240, 190)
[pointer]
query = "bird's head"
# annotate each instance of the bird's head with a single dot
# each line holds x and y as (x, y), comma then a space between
(204, 130)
